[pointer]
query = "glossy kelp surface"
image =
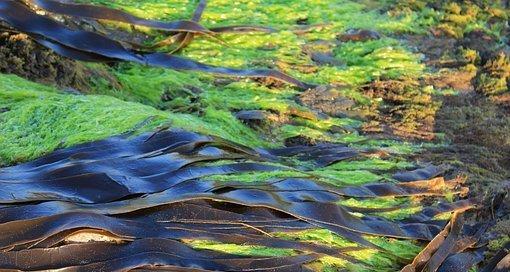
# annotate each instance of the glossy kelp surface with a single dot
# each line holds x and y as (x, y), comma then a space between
(155, 186)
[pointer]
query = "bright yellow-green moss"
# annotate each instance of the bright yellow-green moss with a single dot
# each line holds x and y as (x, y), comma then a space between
(36, 119)
(386, 202)
(241, 249)
(355, 177)
(370, 164)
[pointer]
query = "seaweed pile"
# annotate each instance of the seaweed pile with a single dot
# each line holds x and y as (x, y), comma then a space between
(144, 195)
(84, 45)
(147, 202)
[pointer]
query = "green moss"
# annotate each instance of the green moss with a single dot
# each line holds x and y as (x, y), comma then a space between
(386, 202)
(39, 120)
(220, 123)
(370, 164)
(355, 177)
(382, 261)
(258, 176)
(498, 244)
(241, 249)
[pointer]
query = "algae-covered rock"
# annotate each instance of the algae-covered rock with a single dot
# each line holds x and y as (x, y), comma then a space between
(493, 78)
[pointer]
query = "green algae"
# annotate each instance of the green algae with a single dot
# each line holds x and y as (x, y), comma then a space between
(195, 101)
(372, 259)
(321, 130)
(137, 88)
(249, 96)
(407, 207)
(330, 176)
(39, 120)
(371, 164)
(219, 123)
(191, 92)
(499, 243)
(251, 177)
(243, 250)
(341, 178)
(452, 17)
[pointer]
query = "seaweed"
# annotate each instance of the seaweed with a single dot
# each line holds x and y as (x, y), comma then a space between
(93, 47)
(155, 186)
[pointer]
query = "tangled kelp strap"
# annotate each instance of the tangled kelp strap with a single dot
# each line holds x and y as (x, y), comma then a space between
(101, 256)
(105, 13)
(150, 192)
(446, 251)
(90, 46)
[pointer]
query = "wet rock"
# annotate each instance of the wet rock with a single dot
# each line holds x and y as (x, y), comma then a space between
(487, 45)
(299, 141)
(325, 58)
(222, 81)
(321, 52)
(358, 35)
(21, 56)
(70, 90)
(185, 91)
(326, 100)
(250, 115)
(252, 118)
(439, 51)
(302, 21)
(400, 108)
(494, 77)
(459, 80)
(270, 82)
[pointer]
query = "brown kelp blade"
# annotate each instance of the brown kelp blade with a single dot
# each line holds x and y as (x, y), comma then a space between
(424, 173)
(155, 186)
(179, 63)
(184, 39)
(451, 241)
(162, 170)
(54, 229)
(147, 166)
(461, 262)
(322, 214)
(105, 13)
(106, 256)
(242, 29)
(22, 18)
(433, 187)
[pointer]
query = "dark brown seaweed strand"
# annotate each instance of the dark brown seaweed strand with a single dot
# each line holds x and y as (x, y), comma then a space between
(97, 252)
(424, 256)
(105, 13)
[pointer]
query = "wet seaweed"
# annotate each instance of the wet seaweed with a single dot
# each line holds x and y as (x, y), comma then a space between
(453, 248)
(154, 187)
(91, 46)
